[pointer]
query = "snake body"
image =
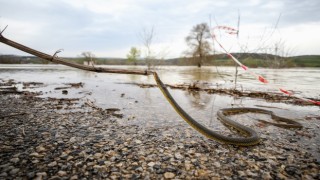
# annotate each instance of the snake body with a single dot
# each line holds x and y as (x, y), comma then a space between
(252, 138)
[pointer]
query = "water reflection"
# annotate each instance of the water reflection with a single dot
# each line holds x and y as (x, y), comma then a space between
(204, 74)
(197, 99)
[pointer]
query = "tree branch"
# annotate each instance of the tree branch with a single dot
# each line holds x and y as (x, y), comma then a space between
(71, 64)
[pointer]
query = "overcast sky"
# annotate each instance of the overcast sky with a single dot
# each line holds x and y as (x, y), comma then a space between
(109, 28)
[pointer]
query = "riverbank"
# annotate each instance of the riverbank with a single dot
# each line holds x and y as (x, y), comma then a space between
(71, 138)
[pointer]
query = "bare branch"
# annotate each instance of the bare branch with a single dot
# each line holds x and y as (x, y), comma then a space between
(3, 30)
(56, 53)
(67, 63)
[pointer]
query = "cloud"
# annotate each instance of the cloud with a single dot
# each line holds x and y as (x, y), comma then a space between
(111, 27)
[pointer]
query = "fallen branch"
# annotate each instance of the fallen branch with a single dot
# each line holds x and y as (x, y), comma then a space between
(55, 59)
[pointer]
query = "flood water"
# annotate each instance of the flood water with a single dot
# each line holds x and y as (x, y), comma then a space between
(147, 106)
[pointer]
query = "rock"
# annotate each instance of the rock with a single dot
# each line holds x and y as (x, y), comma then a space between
(290, 159)
(40, 149)
(74, 177)
(292, 170)
(41, 175)
(69, 158)
(14, 160)
(250, 173)
(266, 175)
(52, 164)
(65, 92)
(281, 158)
(241, 174)
(169, 175)
(151, 164)
(188, 166)
(97, 155)
(98, 167)
(31, 175)
(14, 171)
(217, 164)
(281, 176)
(204, 158)
(72, 140)
(62, 173)
(138, 141)
(35, 154)
(178, 156)
(202, 173)
(4, 174)
(119, 165)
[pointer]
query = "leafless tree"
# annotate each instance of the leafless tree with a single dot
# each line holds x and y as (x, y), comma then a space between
(147, 38)
(89, 58)
(198, 42)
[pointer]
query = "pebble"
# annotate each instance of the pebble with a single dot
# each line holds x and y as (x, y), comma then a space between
(97, 155)
(217, 164)
(3, 174)
(35, 154)
(202, 173)
(241, 173)
(266, 176)
(178, 156)
(72, 140)
(14, 160)
(14, 171)
(188, 166)
(54, 163)
(169, 175)
(41, 175)
(40, 149)
(151, 164)
(31, 175)
(87, 143)
(138, 141)
(62, 173)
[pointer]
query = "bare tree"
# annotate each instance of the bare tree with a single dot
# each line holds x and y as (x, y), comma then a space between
(147, 37)
(198, 42)
(89, 58)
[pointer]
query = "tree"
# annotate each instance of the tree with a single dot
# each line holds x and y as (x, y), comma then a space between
(133, 55)
(147, 37)
(89, 58)
(198, 42)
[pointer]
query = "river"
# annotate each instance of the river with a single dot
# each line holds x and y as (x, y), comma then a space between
(147, 107)
(148, 104)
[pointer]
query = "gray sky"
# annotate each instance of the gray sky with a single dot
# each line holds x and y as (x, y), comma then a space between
(109, 28)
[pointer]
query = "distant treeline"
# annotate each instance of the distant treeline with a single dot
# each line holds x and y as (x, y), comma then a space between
(249, 59)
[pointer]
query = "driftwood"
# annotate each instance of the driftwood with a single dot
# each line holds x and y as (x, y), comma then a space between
(55, 59)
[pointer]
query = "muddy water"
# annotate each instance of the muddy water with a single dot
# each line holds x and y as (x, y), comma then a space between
(148, 108)
(147, 105)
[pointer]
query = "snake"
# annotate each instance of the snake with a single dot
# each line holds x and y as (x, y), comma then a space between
(251, 137)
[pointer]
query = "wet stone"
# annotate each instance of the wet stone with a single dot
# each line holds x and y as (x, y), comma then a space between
(292, 170)
(62, 173)
(14, 160)
(3, 174)
(31, 174)
(54, 163)
(169, 175)
(87, 143)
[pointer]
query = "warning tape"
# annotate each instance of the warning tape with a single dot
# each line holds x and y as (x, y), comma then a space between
(260, 78)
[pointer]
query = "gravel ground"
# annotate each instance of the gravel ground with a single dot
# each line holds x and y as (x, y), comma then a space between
(69, 139)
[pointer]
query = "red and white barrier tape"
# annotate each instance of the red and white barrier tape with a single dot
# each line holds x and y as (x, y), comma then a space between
(233, 31)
